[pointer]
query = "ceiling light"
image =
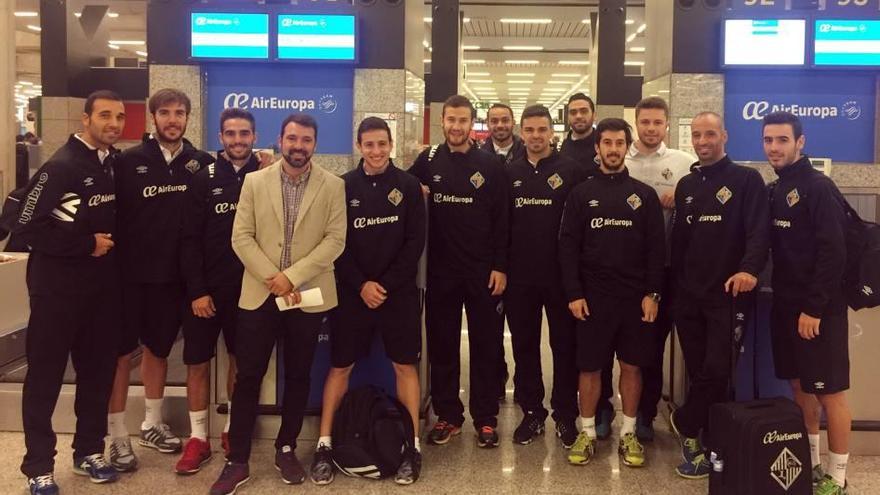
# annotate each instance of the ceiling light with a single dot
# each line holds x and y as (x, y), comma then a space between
(631, 37)
(642, 28)
(34, 28)
(142, 54)
(467, 19)
(585, 21)
(637, 49)
(565, 74)
(112, 46)
(26, 14)
(470, 47)
(560, 82)
(520, 74)
(520, 82)
(663, 91)
(523, 48)
(25, 83)
(426, 60)
(484, 88)
(480, 81)
(633, 63)
(127, 42)
(574, 62)
(526, 21)
(474, 61)
(428, 19)
(630, 21)
(113, 15)
(523, 62)
(478, 73)
(425, 43)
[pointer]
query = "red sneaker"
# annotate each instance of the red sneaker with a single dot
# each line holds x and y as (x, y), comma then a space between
(195, 454)
(224, 441)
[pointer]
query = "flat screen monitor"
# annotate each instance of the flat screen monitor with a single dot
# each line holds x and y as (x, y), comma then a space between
(312, 37)
(764, 42)
(847, 42)
(219, 35)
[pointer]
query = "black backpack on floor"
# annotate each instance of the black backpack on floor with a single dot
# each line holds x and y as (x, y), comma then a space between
(371, 432)
(759, 448)
(861, 278)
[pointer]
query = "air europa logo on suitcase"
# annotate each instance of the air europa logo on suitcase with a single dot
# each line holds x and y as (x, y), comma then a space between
(774, 436)
(786, 469)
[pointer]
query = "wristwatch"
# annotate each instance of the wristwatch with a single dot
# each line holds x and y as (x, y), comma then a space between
(655, 296)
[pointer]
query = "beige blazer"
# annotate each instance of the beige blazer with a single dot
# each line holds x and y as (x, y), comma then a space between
(318, 234)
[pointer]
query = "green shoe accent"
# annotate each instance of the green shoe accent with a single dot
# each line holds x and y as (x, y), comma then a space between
(631, 451)
(583, 450)
(827, 486)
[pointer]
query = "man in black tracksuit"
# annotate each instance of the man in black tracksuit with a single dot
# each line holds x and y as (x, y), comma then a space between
(580, 143)
(539, 184)
(467, 264)
(612, 253)
(151, 183)
(213, 273)
(502, 142)
(68, 219)
(809, 326)
(719, 246)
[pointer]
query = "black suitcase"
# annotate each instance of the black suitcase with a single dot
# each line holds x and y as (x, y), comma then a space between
(758, 448)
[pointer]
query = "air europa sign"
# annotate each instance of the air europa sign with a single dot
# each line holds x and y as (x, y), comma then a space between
(833, 108)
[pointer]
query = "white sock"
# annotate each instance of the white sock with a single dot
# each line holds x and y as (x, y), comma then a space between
(417, 445)
(228, 417)
(629, 425)
(325, 441)
(198, 421)
(814, 450)
(116, 425)
(589, 425)
(837, 467)
(152, 413)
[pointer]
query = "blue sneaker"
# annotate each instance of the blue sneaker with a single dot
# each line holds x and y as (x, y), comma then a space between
(644, 429)
(603, 425)
(695, 466)
(96, 467)
(42, 485)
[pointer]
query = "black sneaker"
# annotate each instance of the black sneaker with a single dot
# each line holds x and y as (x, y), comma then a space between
(322, 471)
(530, 427)
(408, 472)
(233, 476)
(289, 466)
(487, 437)
(567, 431)
(442, 432)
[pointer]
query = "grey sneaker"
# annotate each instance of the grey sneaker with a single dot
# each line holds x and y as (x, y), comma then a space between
(122, 457)
(159, 437)
(322, 471)
(818, 474)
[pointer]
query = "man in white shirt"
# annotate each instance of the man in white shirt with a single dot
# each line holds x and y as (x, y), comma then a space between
(650, 161)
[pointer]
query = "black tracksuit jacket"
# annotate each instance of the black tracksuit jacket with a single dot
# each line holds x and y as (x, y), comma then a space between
(721, 227)
(71, 200)
(468, 212)
(517, 152)
(207, 258)
(386, 230)
(537, 198)
(582, 151)
(151, 197)
(612, 239)
(808, 239)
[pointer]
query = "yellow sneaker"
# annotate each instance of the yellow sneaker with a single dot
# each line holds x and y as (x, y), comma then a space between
(583, 450)
(631, 451)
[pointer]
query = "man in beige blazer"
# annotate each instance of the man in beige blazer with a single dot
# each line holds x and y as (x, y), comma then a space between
(289, 227)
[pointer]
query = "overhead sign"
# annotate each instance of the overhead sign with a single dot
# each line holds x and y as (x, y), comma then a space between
(229, 36)
(317, 37)
(764, 41)
(847, 42)
(837, 112)
(271, 93)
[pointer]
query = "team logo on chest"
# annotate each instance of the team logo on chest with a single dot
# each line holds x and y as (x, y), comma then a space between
(792, 197)
(667, 174)
(192, 166)
(217, 191)
(723, 195)
(89, 182)
(634, 201)
(141, 169)
(477, 180)
(395, 196)
(555, 181)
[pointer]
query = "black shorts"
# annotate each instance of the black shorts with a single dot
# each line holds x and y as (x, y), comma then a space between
(614, 326)
(821, 364)
(353, 324)
(152, 314)
(200, 334)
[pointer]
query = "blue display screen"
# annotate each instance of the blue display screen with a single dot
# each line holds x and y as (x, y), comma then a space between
(229, 35)
(847, 42)
(316, 37)
(764, 42)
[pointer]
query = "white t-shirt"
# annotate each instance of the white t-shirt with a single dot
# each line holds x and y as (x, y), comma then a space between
(661, 170)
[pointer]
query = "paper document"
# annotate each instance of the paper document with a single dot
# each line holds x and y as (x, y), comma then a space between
(310, 298)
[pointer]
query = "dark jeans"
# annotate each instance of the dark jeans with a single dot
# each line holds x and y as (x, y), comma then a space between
(86, 328)
(524, 304)
(443, 302)
(258, 331)
(709, 331)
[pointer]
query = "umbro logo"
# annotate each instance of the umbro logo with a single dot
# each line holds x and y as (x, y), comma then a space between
(437, 178)
(688, 200)
(517, 183)
(217, 191)
(141, 169)
(89, 182)
(593, 203)
(354, 203)
(867, 290)
(819, 385)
